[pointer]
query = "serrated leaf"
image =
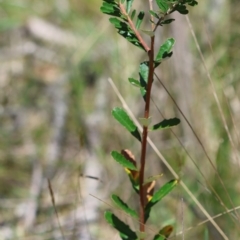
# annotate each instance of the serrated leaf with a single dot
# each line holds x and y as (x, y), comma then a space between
(159, 195)
(124, 230)
(162, 5)
(122, 117)
(165, 49)
(164, 233)
(121, 204)
(139, 19)
(118, 157)
(133, 14)
(167, 21)
(134, 82)
(166, 123)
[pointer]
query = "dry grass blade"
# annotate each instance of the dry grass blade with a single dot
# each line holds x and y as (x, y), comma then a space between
(207, 220)
(55, 209)
(205, 152)
(166, 163)
(219, 108)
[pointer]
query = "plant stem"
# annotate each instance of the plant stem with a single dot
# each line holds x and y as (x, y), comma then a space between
(132, 26)
(144, 136)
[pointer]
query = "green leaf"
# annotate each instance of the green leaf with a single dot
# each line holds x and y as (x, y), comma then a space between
(129, 6)
(126, 32)
(124, 230)
(154, 14)
(167, 21)
(193, 3)
(139, 19)
(133, 14)
(181, 9)
(122, 117)
(149, 33)
(162, 5)
(110, 8)
(143, 73)
(165, 49)
(166, 123)
(119, 202)
(159, 195)
(145, 121)
(134, 82)
(118, 157)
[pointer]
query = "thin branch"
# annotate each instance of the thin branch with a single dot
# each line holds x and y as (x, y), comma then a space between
(132, 26)
(155, 149)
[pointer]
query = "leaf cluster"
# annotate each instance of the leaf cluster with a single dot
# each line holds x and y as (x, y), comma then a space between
(128, 21)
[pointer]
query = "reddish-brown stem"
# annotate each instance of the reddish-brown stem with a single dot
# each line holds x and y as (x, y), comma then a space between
(132, 26)
(150, 52)
(144, 136)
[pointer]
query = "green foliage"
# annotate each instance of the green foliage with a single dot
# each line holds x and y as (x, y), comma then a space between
(122, 205)
(124, 230)
(122, 117)
(123, 22)
(166, 123)
(159, 195)
(165, 50)
(118, 157)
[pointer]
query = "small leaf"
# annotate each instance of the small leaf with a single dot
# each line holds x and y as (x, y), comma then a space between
(166, 123)
(134, 82)
(154, 14)
(122, 117)
(164, 233)
(124, 230)
(110, 8)
(126, 32)
(165, 49)
(145, 121)
(162, 5)
(118, 157)
(167, 21)
(148, 189)
(193, 3)
(139, 19)
(181, 9)
(161, 193)
(129, 6)
(133, 14)
(149, 33)
(119, 202)
(143, 73)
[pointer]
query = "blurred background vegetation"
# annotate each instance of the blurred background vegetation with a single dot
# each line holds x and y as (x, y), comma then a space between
(56, 124)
